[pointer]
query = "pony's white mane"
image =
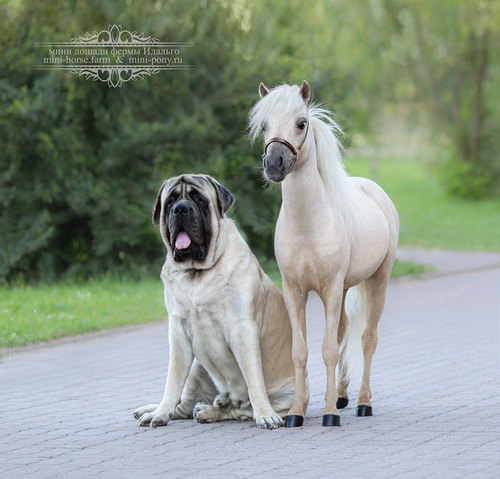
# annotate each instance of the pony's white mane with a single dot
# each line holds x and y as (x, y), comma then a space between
(281, 97)
(325, 131)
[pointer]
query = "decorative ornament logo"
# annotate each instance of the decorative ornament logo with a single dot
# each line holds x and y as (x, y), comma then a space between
(114, 56)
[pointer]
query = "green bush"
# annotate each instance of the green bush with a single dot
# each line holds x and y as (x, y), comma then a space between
(81, 163)
(467, 180)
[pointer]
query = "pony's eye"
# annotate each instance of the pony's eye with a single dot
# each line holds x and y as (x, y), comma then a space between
(301, 125)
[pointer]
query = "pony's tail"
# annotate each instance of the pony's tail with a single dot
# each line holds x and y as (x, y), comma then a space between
(350, 366)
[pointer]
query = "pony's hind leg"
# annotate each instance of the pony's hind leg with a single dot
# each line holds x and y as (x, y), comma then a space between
(376, 287)
(342, 368)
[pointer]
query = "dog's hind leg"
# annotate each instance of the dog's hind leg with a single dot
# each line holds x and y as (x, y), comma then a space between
(199, 388)
(206, 413)
(281, 399)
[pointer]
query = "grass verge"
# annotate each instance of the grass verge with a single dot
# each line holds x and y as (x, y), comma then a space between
(30, 314)
(405, 268)
(429, 217)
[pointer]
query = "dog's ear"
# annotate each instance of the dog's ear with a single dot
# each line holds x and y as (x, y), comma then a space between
(157, 205)
(225, 198)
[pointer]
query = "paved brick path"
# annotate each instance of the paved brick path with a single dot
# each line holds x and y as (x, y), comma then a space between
(66, 410)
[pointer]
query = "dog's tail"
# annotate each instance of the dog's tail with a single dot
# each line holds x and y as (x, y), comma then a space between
(350, 366)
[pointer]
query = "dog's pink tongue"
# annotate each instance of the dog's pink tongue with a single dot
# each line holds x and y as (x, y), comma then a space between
(183, 240)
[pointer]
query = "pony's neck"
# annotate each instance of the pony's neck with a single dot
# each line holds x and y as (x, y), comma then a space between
(308, 196)
(303, 189)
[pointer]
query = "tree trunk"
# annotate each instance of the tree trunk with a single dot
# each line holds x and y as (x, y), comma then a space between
(478, 102)
(427, 63)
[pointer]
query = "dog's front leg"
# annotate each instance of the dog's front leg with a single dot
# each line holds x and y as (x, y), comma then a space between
(181, 359)
(245, 346)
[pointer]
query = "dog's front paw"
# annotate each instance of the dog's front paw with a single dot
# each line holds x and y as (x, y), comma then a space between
(140, 411)
(156, 418)
(269, 420)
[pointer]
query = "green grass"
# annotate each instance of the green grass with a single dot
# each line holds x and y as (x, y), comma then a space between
(429, 217)
(31, 314)
(405, 268)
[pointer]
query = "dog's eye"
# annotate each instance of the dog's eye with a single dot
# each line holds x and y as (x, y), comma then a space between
(198, 198)
(170, 200)
(301, 125)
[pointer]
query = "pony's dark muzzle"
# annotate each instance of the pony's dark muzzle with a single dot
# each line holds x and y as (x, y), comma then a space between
(277, 162)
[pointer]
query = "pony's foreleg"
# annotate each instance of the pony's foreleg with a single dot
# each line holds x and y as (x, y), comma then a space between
(296, 304)
(376, 287)
(333, 309)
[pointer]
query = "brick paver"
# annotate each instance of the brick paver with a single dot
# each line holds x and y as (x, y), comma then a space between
(67, 409)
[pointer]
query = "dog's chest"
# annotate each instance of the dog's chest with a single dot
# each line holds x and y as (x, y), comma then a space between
(206, 314)
(195, 298)
(204, 303)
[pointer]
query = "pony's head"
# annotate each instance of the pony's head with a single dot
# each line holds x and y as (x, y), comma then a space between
(281, 115)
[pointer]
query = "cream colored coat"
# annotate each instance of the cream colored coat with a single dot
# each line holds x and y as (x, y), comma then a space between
(229, 334)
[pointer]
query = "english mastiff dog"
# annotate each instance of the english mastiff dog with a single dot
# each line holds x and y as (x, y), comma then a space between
(229, 332)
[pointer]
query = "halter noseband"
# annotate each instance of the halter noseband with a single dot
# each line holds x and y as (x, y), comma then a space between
(294, 150)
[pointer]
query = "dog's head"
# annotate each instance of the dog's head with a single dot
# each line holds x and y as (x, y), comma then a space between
(188, 210)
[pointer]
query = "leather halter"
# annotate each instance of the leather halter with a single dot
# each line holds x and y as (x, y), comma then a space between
(294, 150)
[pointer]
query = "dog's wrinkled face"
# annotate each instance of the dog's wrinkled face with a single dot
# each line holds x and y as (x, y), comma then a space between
(186, 208)
(188, 221)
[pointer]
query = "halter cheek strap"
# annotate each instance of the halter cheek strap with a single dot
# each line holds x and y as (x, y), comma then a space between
(278, 139)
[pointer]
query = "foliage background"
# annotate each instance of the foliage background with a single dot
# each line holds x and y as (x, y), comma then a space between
(80, 163)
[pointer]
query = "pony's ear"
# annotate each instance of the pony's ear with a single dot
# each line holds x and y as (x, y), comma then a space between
(157, 206)
(263, 90)
(305, 91)
(225, 198)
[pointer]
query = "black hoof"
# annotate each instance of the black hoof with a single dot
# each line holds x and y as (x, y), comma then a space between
(331, 420)
(364, 410)
(342, 403)
(294, 420)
